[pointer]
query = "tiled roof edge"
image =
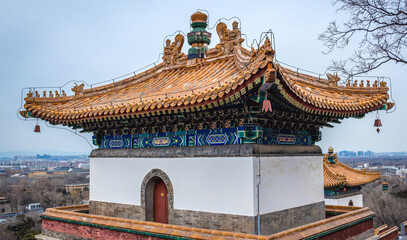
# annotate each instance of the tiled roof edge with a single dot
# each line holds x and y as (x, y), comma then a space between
(357, 216)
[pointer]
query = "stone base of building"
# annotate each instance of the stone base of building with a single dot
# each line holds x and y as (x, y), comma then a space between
(290, 218)
(269, 223)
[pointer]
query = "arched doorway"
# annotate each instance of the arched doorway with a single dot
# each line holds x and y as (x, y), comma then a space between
(350, 203)
(160, 204)
(157, 196)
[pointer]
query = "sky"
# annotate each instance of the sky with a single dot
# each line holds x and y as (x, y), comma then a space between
(48, 43)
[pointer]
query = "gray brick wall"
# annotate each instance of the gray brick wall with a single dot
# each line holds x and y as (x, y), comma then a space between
(270, 223)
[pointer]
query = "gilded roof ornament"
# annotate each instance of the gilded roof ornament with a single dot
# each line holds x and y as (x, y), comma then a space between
(333, 79)
(78, 89)
(228, 38)
(172, 51)
(383, 84)
(265, 49)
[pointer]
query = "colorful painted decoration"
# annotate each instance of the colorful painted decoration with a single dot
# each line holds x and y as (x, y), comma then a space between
(248, 133)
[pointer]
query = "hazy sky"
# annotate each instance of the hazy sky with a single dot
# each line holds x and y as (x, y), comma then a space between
(48, 43)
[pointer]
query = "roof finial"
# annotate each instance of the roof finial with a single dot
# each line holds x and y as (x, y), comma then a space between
(198, 38)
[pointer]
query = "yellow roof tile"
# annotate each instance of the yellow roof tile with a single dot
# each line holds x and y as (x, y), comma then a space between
(336, 174)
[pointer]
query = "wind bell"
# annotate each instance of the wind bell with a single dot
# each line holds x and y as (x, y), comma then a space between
(377, 122)
(37, 128)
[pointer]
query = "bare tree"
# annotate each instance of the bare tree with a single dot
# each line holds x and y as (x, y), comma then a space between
(17, 195)
(389, 206)
(53, 199)
(382, 28)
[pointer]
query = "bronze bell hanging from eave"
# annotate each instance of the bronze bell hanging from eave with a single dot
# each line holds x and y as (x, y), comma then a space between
(37, 128)
(378, 124)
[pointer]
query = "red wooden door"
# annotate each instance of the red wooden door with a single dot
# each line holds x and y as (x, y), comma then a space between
(160, 202)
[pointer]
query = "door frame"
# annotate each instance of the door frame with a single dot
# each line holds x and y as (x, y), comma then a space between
(147, 193)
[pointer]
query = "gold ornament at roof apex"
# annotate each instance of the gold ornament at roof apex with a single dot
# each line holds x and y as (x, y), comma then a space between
(199, 17)
(330, 150)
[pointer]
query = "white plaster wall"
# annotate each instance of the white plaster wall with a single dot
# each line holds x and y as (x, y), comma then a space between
(220, 185)
(356, 199)
(288, 182)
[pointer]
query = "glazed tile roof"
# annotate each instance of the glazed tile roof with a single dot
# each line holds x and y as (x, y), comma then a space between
(220, 78)
(158, 89)
(324, 94)
(337, 174)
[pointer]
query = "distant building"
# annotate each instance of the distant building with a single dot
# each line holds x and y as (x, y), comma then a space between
(368, 154)
(3, 174)
(388, 170)
(84, 165)
(37, 174)
(5, 206)
(66, 170)
(347, 154)
(34, 207)
(342, 183)
(77, 186)
(360, 153)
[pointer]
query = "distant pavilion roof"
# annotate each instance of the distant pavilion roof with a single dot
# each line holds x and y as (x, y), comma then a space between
(339, 174)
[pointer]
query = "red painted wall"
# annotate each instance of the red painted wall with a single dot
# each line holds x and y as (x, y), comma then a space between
(350, 231)
(90, 232)
(394, 235)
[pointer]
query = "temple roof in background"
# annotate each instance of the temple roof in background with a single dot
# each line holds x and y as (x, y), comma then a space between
(338, 174)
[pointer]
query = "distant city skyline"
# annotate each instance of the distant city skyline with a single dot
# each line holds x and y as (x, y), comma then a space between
(50, 43)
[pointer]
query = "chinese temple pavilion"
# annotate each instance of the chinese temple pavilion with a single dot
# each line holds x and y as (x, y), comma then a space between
(220, 138)
(342, 183)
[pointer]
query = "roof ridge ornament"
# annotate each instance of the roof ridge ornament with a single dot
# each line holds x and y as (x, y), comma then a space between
(172, 51)
(228, 38)
(333, 79)
(78, 89)
(265, 50)
(198, 38)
